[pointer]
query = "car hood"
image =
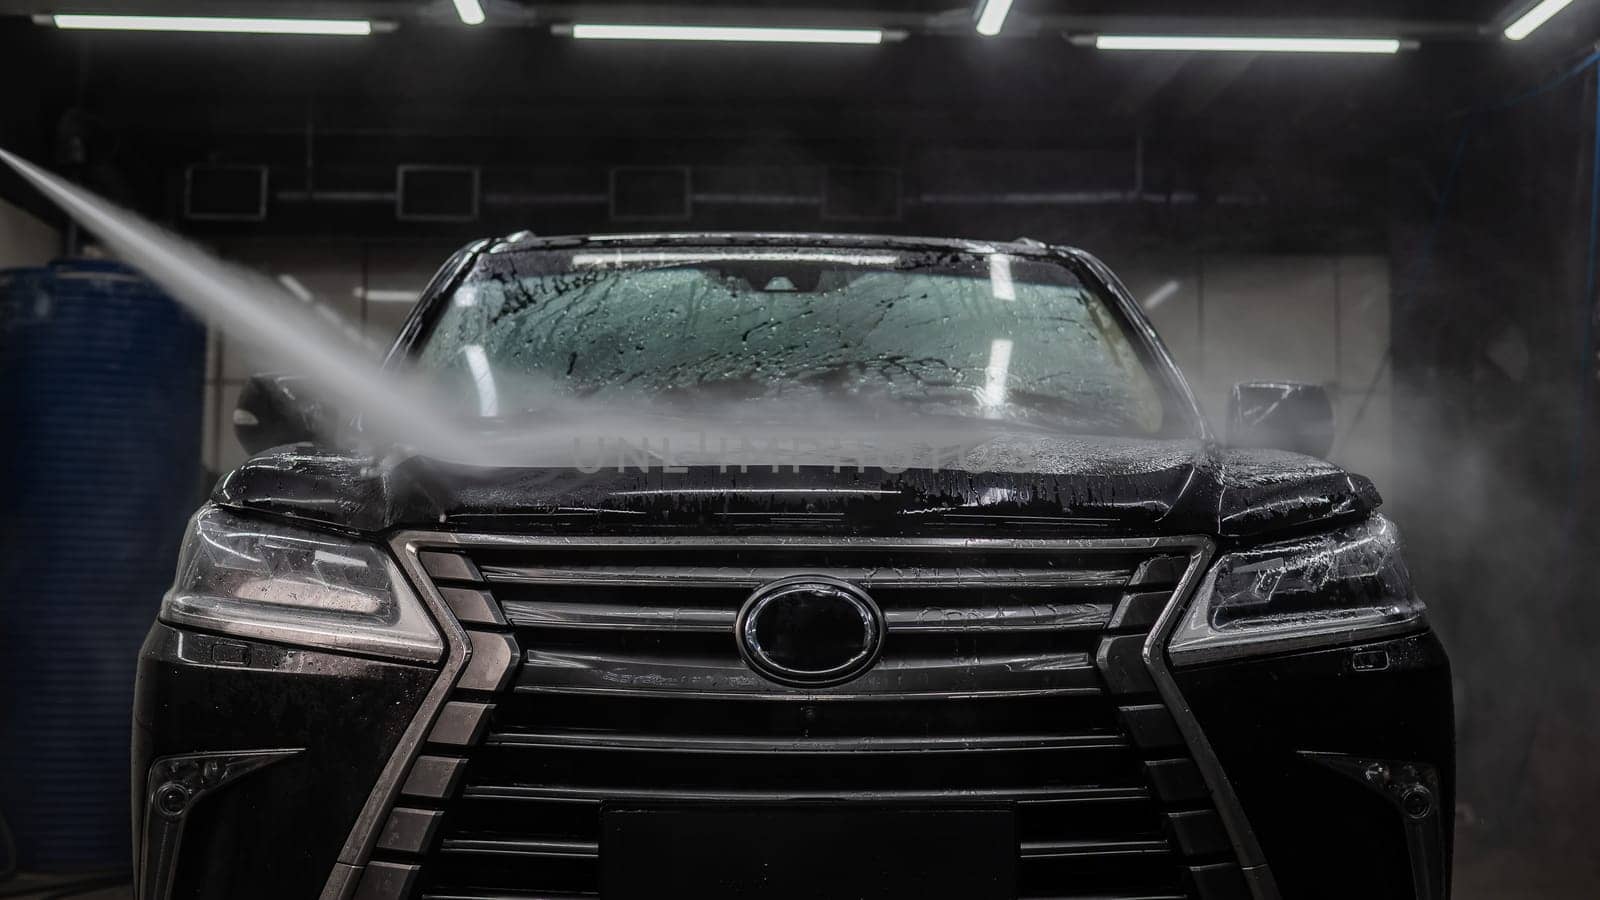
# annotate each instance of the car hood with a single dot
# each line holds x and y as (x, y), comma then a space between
(1017, 482)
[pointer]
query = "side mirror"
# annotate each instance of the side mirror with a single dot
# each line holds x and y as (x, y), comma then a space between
(1282, 415)
(276, 409)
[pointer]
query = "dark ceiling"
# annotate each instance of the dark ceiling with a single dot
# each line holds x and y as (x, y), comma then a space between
(1451, 10)
(546, 116)
(900, 13)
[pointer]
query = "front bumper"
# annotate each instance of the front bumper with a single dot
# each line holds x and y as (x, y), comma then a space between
(1344, 761)
(332, 724)
(203, 702)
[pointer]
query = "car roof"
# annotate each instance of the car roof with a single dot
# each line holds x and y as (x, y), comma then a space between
(524, 240)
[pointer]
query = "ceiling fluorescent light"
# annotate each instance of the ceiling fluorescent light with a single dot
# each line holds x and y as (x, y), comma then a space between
(1161, 295)
(994, 387)
(470, 11)
(214, 24)
(725, 33)
(1535, 17)
(1246, 44)
(992, 17)
(379, 295)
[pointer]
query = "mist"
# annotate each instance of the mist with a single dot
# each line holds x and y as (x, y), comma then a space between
(1494, 560)
(1493, 528)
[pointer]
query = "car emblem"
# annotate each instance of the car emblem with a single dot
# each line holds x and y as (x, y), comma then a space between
(809, 631)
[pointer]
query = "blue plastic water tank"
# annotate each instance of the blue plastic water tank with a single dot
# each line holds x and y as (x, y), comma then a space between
(101, 392)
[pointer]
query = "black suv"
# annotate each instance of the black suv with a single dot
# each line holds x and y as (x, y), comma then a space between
(834, 566)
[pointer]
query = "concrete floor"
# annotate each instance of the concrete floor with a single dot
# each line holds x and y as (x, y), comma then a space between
(1536, 873)
(51, 887)
(1563, 869)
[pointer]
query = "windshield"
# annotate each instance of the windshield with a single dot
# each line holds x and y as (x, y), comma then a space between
(988, 336)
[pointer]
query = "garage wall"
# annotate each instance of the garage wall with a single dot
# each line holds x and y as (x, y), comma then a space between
(1322, 319)
(1227, 318)
(24, 240)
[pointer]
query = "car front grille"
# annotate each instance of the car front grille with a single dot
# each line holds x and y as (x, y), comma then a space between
(606, 671)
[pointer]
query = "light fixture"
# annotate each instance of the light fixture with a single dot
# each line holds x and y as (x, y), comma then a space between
(470, 11)
(293, 286)
(992, 16)
(994, 387)
(1161, 295)
(1535, 17)
(483, 379)
(211, 24)
(736, 34)
(1220, 44)
(1001, 284)
(380, 295)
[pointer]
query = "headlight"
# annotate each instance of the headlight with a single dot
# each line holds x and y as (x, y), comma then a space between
(1341, 586)
(275, 582)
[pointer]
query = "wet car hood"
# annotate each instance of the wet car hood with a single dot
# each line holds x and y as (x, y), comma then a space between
(1029, 484)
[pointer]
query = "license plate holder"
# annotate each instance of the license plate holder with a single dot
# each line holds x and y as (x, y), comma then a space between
(807, 851)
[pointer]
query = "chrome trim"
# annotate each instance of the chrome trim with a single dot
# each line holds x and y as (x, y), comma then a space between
(866, 614)
(1010, 617)
(612, 742)
(1324, 637)
(525, 847)
(458, 540)
(346, 875)
(597, 794)
(1412, 790)
(1256, 872)
(173, 785)
(581, 672)
(1158, 847)
(751, 577)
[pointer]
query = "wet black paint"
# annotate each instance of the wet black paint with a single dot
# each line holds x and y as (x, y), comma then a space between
(1067, 485)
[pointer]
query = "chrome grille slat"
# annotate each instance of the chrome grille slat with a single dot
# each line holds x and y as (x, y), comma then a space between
(1069, 849)
(547, 895)
(524, 847)
(798, 543)
(810, 746)
(1096, 896)
(712, 620)
(597, 794)
(576, 671)
(873, 577)
(591, 849)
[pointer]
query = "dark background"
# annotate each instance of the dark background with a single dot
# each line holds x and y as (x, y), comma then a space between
(1455, 180)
